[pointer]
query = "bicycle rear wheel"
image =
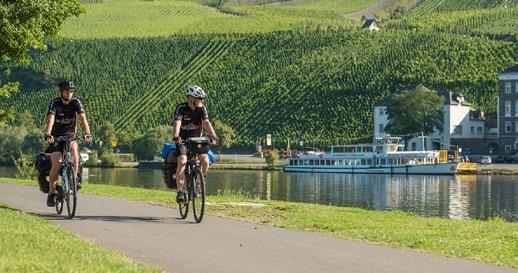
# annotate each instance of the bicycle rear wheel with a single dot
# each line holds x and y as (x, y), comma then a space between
(70, 194)
(198, 196)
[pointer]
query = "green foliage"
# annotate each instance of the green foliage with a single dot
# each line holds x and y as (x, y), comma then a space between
(497, 23)
(25, 25)
(272, 158)
(227, 135)
(115, 18)
(93, 160)
(417, 110)
(314, 85)
(105, 136)
(25, 167)
(151, 143)
(428, 6)
(108, 159)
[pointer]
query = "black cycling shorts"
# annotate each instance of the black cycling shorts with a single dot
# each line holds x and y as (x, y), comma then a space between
(55, 147)
(181, 149)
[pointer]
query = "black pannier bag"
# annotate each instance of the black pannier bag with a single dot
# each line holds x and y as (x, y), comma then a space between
(43, 164)
(169, 170)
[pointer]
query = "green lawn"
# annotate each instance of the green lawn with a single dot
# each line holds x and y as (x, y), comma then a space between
(31, 244)
(494, 241)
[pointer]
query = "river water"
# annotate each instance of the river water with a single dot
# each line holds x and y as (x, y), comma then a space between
(456, 197)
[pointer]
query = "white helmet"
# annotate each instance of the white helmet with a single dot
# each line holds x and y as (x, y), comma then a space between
(195, 91)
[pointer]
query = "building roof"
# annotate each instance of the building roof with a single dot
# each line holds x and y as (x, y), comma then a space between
(512, 69)
(367, 17)
(370, 22)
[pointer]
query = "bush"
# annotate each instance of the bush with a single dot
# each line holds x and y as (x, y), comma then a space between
(93, 160)
(272, 158)
(25, 167)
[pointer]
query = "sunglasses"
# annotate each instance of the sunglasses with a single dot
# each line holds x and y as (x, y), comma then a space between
(202, 99)
(68, 90)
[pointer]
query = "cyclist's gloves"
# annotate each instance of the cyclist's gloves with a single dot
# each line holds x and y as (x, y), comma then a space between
(215, 140)
(49, 138)
(88, 138)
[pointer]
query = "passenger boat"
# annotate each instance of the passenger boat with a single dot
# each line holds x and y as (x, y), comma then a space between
(384, 155)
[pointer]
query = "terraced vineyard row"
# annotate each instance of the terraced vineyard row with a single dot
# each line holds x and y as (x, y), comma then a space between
(316, 85)
(159, 102)
(426, 7)
(494, 23)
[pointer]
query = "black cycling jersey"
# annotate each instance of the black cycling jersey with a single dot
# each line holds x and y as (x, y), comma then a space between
(65, 116)
(191, 120)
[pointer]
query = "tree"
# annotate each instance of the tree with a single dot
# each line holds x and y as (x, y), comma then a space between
(25, 24)
(419, 110)
(151, 143)
(227, 135)
(105, 136)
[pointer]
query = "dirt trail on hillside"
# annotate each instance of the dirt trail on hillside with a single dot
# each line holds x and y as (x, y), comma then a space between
(374, 9)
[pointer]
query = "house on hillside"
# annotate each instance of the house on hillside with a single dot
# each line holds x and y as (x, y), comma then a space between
(462, 125)
(507, 111)
(370, 23)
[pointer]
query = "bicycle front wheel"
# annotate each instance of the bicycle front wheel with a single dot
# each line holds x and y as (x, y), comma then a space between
(198, 196)
(71, 193)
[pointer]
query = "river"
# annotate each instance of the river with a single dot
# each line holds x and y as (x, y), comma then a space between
(456, 197)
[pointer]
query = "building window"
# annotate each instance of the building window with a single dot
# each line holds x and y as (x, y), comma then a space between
(516, 126)
(472, 130)
(381, 111)
(507, 126)
(507, 108)
(457, 130)
(508, 87)
(414, 146)
(508, 148)
(381, 128)
(479, 130)
(516, 86)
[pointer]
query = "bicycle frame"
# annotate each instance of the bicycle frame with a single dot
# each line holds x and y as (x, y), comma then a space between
(66, 172)
(195, 181)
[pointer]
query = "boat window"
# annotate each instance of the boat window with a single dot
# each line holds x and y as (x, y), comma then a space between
(369, 162)
(383, 161)
(338, 149)
(322, 162)
(306, 162)
(363, 162)
(311, 162)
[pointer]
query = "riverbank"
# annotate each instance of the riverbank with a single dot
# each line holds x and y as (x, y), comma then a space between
(494, 241)
(32, 244)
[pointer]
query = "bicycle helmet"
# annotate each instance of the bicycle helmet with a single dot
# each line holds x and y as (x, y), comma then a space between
(195, 91)
(66, 84)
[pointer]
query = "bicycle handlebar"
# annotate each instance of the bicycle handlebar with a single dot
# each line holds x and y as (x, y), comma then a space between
(197, 140)
(67, 138)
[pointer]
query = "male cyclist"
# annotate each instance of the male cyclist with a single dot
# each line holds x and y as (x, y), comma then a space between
(190, 118)
(61, 121)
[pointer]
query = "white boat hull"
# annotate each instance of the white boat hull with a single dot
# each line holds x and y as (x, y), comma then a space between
(444, 168)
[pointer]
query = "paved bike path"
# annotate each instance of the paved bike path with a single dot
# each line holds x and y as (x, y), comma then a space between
(155, 236)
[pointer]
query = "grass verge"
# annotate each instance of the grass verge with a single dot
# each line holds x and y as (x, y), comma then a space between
(32, 244)
(494, 241)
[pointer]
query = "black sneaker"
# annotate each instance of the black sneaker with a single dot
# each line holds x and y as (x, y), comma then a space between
(180, 197)
(51, 200)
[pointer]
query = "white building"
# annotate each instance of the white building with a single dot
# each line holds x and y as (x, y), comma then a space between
(461, 121)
